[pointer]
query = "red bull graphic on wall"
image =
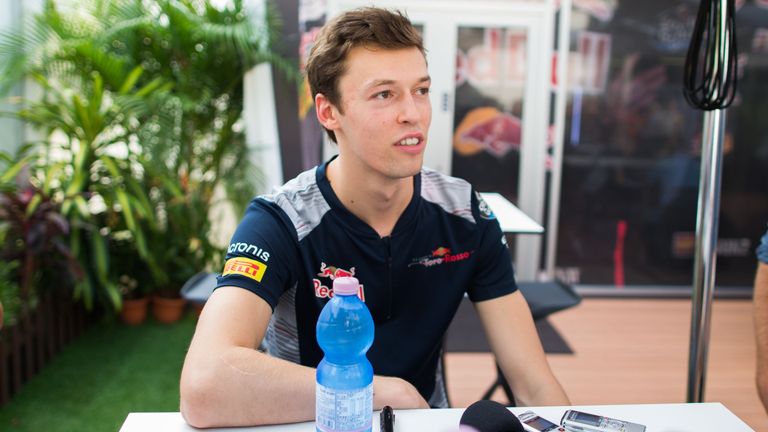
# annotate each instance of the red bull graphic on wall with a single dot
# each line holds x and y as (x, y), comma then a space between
(488, 129)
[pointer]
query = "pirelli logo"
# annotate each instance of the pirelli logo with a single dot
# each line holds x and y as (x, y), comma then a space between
(245, 267)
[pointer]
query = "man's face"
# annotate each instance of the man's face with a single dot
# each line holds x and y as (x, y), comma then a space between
(386, 110)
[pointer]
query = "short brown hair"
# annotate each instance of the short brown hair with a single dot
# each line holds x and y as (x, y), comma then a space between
(368, 26)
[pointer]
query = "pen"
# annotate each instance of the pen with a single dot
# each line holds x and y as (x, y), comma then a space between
(387, 419)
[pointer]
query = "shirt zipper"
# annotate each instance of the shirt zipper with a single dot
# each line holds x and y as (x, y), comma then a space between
(388, 244)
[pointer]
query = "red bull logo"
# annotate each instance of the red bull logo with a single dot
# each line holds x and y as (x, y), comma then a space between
(335, 272)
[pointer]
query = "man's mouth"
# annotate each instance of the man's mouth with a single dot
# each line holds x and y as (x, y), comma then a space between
(409, 142)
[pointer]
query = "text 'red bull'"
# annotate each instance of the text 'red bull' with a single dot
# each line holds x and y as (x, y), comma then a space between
(322, 291)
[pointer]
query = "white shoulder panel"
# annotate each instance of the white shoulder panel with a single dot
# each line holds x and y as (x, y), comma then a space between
(452, 194)
(302, 201)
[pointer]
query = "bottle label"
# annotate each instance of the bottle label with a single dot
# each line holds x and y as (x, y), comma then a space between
(343, 410)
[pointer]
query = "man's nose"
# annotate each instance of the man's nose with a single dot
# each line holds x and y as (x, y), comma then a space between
(409, 110)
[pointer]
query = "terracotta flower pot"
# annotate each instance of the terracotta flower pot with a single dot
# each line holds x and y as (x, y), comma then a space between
(134, 311)
(167, 310)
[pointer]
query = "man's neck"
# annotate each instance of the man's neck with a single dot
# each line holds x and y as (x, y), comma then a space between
(376, 200)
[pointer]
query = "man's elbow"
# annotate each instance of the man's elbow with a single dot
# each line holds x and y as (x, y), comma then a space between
(196, 403)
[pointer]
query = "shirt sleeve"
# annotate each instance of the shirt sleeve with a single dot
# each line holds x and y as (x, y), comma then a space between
(762, 249)
(262, 253)
(494, 276)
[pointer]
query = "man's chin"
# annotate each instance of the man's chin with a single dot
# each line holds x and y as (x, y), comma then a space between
(410, 170)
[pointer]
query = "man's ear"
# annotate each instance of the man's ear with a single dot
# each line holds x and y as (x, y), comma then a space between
(327, 114)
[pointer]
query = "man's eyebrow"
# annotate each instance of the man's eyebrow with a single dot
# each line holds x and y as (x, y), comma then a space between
(380, 82)
(384, 82)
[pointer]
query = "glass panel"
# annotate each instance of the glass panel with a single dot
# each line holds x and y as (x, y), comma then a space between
(490, 80)
(632, 149)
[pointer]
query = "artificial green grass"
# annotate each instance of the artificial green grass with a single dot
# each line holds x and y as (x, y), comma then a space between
(106, 373)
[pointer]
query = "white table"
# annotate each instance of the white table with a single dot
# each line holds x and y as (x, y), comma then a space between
(511, 218)
(704, 417)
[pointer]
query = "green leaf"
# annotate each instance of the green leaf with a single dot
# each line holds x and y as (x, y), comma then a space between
(150, 87)
(33, 203)
(13, 170)
(98, 95)
(130, 81)
(77, 183)
(141, 200)
(141, 244)
(113, 295)
(122, 197)
(66, 206)
(172, 187)
(158, 274)
(81, 205)
(141, 210)
(100, 258)
(84, 292)
(111, 165)
(51, 174)
(84, 118)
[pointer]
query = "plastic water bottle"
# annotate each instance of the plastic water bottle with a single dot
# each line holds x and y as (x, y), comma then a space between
(344, 388)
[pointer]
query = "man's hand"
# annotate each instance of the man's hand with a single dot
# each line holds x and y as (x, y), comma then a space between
(396, 393)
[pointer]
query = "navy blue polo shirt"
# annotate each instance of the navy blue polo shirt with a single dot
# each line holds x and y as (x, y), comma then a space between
(292, 243)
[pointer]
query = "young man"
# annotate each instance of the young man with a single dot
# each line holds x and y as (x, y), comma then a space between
(760, 307)
(417, 241)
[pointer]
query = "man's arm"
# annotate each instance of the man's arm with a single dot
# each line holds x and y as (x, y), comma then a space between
(227, 382)
(760, 308)
(515, 343)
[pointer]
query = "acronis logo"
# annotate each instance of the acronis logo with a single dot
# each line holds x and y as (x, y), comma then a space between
(250, 249)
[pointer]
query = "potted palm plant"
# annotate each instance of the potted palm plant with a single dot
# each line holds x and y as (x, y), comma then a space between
(93, 175)
(205, 52)
(148, 96)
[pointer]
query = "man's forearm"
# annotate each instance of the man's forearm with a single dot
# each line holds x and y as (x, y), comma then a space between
(515, 343)
(760, 305)
(760, 308)
(540, 388)
(243, 387)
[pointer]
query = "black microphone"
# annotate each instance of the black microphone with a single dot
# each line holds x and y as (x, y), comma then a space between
(489, 416)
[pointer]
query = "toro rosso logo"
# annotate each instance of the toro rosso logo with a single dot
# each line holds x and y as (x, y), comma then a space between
(439, 256)
(333, 272)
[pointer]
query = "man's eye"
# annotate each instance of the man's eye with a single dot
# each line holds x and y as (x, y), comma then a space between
(386, 94)
(422, 90)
